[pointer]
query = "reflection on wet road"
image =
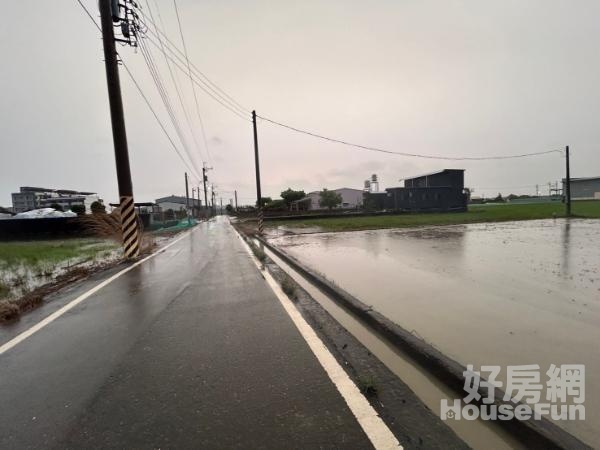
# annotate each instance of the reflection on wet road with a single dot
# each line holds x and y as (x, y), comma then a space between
(485, 294)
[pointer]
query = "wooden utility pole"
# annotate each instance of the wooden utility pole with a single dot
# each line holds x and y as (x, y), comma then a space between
(568, 184)
(187, 193)
(235, 195)
(204, 180)
(187, 199)
(257, 167)
(129, 223)
(212, 201)
(199, 201)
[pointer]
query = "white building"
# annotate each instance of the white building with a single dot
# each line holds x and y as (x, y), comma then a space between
(176, 203)
(29, 198)
(351, 199)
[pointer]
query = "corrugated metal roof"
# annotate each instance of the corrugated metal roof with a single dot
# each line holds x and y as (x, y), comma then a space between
(582, 179)
(432, 173)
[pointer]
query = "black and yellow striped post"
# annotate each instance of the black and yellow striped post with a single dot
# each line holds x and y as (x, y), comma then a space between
(260, 220)
(129, 225)
(129, 222)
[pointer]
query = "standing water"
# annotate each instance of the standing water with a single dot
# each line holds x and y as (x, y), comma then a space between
(505, 294)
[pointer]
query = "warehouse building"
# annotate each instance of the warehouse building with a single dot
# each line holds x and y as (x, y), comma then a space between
(437, 191)
(584, 188)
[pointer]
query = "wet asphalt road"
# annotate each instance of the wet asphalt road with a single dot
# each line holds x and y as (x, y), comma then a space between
(191, 349)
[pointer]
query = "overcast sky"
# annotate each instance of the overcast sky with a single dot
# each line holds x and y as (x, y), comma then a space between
(456, 78)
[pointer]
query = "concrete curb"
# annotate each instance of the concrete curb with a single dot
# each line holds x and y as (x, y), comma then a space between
(535, 434)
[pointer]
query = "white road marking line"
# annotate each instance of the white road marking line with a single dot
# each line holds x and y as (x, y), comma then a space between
(59, 312)
(376, 430)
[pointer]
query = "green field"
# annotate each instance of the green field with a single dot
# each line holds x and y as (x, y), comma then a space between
(476, 213)
(26, 265)
(33, 253)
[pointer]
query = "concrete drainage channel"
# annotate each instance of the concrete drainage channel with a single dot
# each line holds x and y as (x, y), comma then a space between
(426, 371)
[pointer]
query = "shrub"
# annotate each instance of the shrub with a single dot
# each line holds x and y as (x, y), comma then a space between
(98, 207)
(78, 209)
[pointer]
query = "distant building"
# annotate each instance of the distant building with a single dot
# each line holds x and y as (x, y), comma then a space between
(176, 203)
(351, 199)
(584, 188)
(437, 191)
(29, 198)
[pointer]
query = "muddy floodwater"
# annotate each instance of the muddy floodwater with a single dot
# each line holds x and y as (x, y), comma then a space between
(503, 294)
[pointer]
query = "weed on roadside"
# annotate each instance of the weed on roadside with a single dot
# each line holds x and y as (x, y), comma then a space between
(367, 385)
(288, 286)
(8, 311)
(258, 252)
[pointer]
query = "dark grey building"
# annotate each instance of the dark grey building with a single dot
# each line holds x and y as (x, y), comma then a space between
(437, 191)
(584, 188)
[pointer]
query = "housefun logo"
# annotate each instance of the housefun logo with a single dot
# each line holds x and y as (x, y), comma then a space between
(564, 394)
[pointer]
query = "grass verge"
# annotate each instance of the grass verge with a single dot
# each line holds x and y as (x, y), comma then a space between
(476, 214)
(30, 270)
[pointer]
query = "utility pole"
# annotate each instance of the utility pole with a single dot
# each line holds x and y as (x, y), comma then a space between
(129, 223)
(187, 199)
(199, 201)
(193, 202)
(212, 201)
(235, 194)
(221, 209)
(187, 193)
(204, 179)
(568, 184)
(257, 167)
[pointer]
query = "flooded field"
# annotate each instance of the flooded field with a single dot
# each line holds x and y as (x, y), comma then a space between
(502, 294)
(26, 265)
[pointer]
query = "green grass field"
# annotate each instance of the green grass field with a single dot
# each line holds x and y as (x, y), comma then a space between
(32, 253)
(476, 213)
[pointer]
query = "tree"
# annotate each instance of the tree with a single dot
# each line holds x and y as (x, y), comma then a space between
(98, 207)
(276, 204)
(265, 200)
(329, 199)
(499, 198)
(56, 206)
(289, 196)
(229, 209)
(78, 209)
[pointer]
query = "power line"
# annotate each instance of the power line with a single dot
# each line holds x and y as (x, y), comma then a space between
(213, 86)
(202, 81)
(215, 98)
(157, 118)
(165, 98)
(187, 60)
(89, 15)
(413, 155)
(175, 84)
